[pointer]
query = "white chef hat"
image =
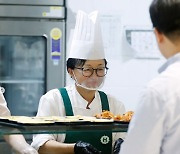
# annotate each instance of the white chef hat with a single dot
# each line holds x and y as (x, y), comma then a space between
(87, 40)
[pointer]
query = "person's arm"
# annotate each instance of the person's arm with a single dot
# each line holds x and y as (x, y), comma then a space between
(48, 106)
(51, 143)
(19, 144)
(55, 147)
(79, 147)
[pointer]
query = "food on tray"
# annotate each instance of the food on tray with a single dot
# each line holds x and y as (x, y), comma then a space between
(103, 120)
(105, 115)
(53, 119)
(126, 117)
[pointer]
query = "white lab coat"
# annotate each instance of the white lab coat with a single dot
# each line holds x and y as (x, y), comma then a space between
(155, 127)
(51, 104)
(4, 111)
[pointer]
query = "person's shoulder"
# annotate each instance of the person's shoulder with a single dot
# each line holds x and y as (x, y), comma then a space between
(116, 105)
(164, 86)
(112, 98)
(51, 94)
(52, 91)
(51, 97)
(169, 78)
(56, 91)
(70, 87)
(103, 92)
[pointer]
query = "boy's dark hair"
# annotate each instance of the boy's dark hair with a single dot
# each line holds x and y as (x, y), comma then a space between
(72, 62)
(165, 17)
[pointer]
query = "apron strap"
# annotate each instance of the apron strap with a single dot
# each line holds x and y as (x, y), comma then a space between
(68, 106)
(67, 102)
(104, 101)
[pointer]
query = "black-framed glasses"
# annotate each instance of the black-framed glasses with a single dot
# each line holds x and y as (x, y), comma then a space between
(88, 71)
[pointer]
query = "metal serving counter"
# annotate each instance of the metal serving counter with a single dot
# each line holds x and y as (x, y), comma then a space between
(13, 128)
(8, 127)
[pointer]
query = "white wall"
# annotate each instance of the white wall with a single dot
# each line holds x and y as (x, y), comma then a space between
(127, 75)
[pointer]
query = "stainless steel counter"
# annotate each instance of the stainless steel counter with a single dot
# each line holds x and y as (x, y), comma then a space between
(15, 128)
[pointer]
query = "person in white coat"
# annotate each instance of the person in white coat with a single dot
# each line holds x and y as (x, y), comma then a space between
(17, 142)
(87, 66)
(155, 126)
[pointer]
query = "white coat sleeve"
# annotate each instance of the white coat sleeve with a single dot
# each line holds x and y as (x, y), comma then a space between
(146, 127)
(4, 111)
(47, 107)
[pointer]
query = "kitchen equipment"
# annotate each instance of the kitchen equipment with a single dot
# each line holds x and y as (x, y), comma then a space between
(32, 51)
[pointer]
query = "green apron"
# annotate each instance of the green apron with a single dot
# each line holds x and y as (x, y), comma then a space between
(102, 140)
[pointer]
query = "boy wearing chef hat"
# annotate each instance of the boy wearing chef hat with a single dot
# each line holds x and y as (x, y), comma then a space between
(87, 66)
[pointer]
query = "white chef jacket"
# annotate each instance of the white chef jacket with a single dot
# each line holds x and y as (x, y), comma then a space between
(155, 127)
(51, 104)
(4, 111)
